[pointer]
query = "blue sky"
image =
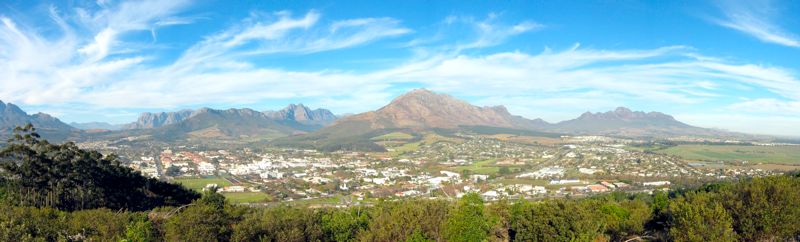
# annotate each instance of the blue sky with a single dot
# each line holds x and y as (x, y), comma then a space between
(722, 64)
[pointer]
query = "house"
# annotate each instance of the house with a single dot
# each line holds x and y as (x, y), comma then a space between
(479, 177)
(656, 183)
(451, 175)
(233, 189)
(206, 168)
(490, 195)
(597, 188)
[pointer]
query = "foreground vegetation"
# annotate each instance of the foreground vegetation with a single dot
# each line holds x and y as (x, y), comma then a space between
(761, 209)
(757, 209)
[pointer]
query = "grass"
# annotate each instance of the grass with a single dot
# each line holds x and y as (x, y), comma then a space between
(198, 184)
(762, 154)
(408, 147)
(246, 197)
(525, 139)
(323, 200)
(480, 167)
(393, 136)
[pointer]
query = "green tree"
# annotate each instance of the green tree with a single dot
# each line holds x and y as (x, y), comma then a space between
(344, 224)
(467, 221)
(37, 173)
(140, 229)
(203, 220)
(97, 224)
(698, 216)
(563, 220)
(764, 209)
(396, 221)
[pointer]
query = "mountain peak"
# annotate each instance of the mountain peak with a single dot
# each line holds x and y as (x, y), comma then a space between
(622, 110)
(422, 108)
(303, 114)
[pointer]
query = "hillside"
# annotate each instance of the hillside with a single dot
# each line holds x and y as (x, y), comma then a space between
(48, 126)
(624, 122)
(413, 112)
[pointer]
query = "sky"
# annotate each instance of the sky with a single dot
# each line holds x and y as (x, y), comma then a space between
(731, 65)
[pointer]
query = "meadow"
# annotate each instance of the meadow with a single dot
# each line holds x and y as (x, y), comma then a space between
(753, 154)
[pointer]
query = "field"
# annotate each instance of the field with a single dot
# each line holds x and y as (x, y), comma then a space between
(480, 167)
(393, 136)
(753, 154)
(246, 197)
(525, 139)
(198, 184)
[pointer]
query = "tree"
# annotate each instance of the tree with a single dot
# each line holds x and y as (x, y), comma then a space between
(280, 223)
(173, 171)
(140, 229)
(764, 209)
(467, 221)
(504, 170)
(563, 220)
(37, 173)
(698, 216)
(343, 225)
(203, 220)
(397, 221)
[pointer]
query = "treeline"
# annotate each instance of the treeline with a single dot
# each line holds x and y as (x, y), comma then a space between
(758, 209)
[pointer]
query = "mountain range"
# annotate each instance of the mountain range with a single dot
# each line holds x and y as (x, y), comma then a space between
(208, 124)
(48, 126)
(416, 111)
(423, 110)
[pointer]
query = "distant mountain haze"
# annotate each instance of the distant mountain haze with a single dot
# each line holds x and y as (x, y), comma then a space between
(293, 112)
(303, 114)
(96, 126)
(155, 120)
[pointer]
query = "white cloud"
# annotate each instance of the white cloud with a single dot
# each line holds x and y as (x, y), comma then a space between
(489, 31)
(768, 105)
(260, 35)
(756, 18)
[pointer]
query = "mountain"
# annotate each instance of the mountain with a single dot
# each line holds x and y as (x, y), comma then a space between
(229, 124)
(97, 126)
(415, 111)
(624, 122)
(48, 126)
(302, 114)
(423, 109)
(155, 120)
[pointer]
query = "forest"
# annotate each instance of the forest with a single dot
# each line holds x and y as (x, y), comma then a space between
(62, 193)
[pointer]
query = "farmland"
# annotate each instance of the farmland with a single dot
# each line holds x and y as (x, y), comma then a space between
(756, 154)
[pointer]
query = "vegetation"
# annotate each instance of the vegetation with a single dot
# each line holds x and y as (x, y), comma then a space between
(393, 136)
(761, 209)
(39, 174)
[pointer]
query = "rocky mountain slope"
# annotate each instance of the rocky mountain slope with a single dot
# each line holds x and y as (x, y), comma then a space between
(48, 126)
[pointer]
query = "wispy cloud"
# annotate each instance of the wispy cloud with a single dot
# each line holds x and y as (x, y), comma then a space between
(264, 34)
(756, 18)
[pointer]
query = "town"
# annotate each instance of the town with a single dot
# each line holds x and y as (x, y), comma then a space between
(434, 167)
